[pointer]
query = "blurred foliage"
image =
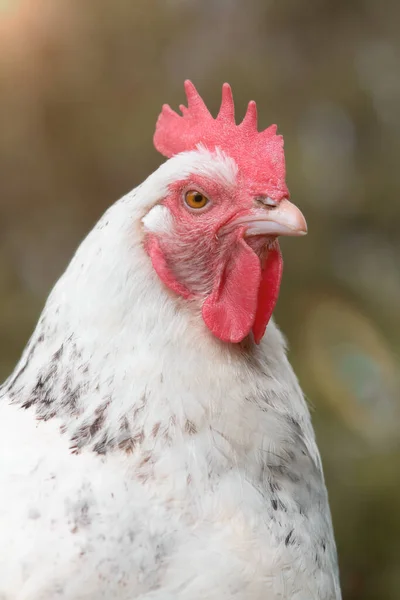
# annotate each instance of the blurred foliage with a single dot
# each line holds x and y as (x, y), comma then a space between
(81, 85)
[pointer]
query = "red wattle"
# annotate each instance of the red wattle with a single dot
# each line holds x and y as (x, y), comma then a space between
(230, 309)
(244, 295)
(268, 291)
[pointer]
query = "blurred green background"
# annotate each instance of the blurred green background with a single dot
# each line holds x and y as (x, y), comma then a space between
(81, 85)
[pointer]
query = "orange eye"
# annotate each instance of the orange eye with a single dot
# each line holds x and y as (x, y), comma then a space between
(195, 199)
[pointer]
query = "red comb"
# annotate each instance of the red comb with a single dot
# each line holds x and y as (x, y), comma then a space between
(259, 155)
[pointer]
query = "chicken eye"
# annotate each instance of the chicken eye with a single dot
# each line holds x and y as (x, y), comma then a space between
(195, 199)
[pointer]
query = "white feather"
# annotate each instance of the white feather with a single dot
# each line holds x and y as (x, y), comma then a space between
(158, 220)
(222, 494)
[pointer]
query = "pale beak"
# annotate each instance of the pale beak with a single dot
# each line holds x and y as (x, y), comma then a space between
(283, 219)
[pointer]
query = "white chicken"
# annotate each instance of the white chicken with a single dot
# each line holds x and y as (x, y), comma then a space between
(154, 440)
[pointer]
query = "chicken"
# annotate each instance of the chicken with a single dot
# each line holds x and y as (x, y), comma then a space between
(154, 440)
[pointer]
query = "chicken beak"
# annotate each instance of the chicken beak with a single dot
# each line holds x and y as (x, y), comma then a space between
(283, 219)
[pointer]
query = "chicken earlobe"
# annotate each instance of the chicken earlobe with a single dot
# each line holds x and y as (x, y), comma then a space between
(160, 266)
